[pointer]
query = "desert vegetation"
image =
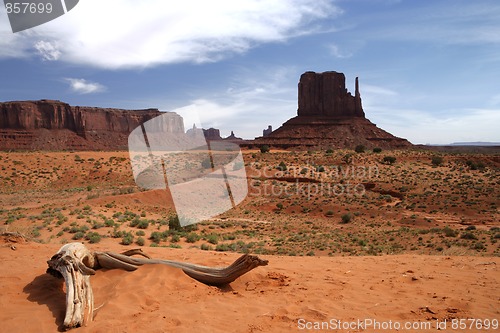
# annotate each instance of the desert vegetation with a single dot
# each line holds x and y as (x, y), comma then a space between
(299, 203)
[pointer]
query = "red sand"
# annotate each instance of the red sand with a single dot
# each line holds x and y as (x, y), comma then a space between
(402, 288)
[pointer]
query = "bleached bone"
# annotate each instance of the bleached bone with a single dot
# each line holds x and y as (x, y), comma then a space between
(75, 263)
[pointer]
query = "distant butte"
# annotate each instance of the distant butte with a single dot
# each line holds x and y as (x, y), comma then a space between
(55, 125)
(329, 116)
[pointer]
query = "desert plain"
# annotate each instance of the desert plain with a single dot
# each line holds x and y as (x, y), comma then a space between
(402, 239)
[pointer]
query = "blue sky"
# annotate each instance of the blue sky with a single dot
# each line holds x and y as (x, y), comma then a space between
(429, 70)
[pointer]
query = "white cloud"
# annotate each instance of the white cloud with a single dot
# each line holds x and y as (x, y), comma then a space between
(82, 86)
(47, 50)
(130, 33)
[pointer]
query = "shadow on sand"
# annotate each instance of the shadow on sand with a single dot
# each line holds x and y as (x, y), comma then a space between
(48, 290)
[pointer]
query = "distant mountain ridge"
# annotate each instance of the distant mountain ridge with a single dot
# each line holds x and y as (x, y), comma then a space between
(476, 143)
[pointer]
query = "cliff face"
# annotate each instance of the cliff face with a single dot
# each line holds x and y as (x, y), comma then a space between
(328, 116)
(325, 94)
(48, 124)
(37, 114)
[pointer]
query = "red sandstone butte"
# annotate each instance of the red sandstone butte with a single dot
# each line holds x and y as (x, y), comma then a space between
(54, 125)
(328, 116)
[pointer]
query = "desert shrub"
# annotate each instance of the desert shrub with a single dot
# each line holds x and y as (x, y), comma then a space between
(174, 223)
(109, 223)
(346, 218)
(157, 236)
(471, 227)
(304, 171)
(389, 159)
(140, 241)
(475, 165)
(436, 160)
(213, 239)
(140, 233)
(329, 151)
(143, 224)
(279, 205)
(206, 247)
(320, 168)
(377, 150)
(329, 213)
(175, 238)
(449, 232)
(78, 235)
(127, 238)
(282, 166)
(192, 237)
(468, 235)
(478, 246)
(93, 237)
(360, 149)
(264, 149)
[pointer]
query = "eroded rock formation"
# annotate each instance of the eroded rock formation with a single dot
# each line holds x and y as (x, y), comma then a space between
(325, 94)
(329, 116)
(55, 125)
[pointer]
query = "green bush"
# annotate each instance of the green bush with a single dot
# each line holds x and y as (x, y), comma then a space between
(192, 237)
(279, 205)
(213, 239)
(282, 166)
(264, 149)
(377, 150)
(475, 165)
(127, 239)
(346, 218)
(436, 160)
(78, 235)
(222, 247)
(389, 159)
(140, 241)
(174, 223)
(449, 232)
(468, 235)
(143, 224)
(93, 237)
(157, 236)
(360, 149)
(206, 247)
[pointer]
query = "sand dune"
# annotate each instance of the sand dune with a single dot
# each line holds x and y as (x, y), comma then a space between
(290, 294)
